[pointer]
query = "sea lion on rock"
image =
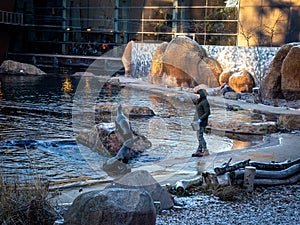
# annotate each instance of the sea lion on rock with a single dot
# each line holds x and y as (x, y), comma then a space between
(123, 154)
(122, 125)
(114, 165)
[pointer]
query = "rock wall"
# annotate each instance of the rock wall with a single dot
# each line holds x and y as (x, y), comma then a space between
(255, 59)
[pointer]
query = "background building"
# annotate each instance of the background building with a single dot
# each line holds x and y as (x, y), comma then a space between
(92, 27)
(269, 22)
(9, 22)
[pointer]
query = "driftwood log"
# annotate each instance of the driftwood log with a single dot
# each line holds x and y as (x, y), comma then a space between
(267, 174)
(274, 165)
(182, 185)
(244, 173)
(273, 182)
(226, 168)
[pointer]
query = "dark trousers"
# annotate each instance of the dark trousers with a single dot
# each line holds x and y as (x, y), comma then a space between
(201, 140)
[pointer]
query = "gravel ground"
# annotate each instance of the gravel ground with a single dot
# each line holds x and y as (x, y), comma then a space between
(272, 205)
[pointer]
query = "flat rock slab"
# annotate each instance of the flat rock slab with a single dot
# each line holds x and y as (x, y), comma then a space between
(243, 128)
(131, 111)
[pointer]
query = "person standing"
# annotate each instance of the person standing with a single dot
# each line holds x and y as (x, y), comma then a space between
(201, 116)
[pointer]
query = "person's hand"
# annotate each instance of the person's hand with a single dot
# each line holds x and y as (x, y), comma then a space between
(199, 120)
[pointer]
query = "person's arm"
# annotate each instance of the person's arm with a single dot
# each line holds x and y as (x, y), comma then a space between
(206, 113)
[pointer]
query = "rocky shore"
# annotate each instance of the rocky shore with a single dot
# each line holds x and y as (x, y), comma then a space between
(271, 205)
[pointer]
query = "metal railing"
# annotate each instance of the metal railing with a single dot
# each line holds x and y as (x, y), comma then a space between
(11, 18)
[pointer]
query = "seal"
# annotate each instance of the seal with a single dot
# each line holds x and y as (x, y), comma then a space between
(122, 125)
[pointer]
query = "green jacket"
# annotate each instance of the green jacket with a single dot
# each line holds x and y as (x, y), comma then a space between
(202, 109)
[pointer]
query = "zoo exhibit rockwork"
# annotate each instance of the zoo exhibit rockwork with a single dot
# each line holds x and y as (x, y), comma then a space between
(254, 59)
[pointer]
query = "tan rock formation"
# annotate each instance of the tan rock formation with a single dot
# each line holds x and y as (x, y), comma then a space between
(224, 76)
(156, 69)
(214, 68)
(271, 84)
(290, 74)
(186, 64)
(181, 60)
(126, 58)
(242, 81)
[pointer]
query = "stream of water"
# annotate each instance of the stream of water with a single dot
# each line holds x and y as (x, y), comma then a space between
(38, 133)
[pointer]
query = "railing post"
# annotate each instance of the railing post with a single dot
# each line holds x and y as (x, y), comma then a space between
(175, 17)
(64, 26)
(116, 21)
(11, 18)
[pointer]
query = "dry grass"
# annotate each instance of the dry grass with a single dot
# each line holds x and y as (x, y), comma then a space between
(24, 201)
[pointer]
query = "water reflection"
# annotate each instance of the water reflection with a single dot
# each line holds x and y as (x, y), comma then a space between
(240, 144)
(67, 85)
(87, 86)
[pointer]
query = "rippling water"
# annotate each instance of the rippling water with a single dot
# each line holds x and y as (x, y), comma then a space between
(38, 129)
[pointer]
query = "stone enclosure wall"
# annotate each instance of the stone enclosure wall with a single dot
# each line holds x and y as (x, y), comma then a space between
(254, 59)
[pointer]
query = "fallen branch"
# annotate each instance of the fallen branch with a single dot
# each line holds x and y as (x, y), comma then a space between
(181, 185)
(282, 174)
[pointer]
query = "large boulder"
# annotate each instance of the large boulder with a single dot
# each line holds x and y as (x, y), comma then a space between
(242, 82)
(112, 207)
(224, 77)
(142, 180)
(156, 69)
(271, 84)
(13, 67)
(185, 64)
(290, 74)
(215, 69)
(180, 62)
(126, 59)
